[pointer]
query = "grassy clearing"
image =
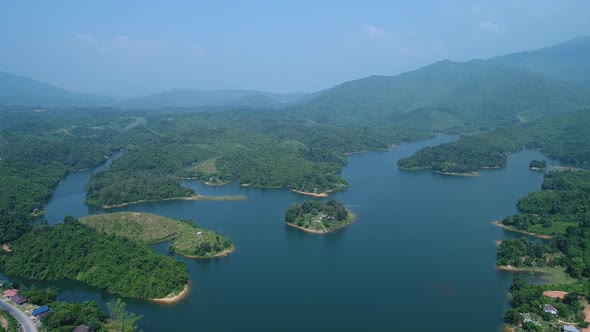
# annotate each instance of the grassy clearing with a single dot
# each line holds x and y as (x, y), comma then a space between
(208, 166)
(187, 239)
(555, 229)
(556, 276)
(144, 227)
(207, 172)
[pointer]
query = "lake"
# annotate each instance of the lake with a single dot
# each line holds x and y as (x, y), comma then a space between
(420, 255)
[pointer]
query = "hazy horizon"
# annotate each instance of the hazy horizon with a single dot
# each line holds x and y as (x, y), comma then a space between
(128, 49)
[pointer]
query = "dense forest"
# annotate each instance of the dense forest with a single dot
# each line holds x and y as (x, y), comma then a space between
(563, 210)
(319, 216)
(72, 250)
(563, 202)
(563, 138)
(38, 148)
(261, 149)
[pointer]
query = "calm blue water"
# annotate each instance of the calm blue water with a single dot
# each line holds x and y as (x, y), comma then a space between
(420, 256)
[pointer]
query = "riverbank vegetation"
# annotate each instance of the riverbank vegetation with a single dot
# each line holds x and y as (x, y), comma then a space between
(72, 250)
(319, 216)
(37, 149)
(559, 205)
(65, 316)
(187, 238)
(561, 209)
(562, 138)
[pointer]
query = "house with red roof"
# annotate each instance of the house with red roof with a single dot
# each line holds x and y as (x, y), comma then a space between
(9, 293)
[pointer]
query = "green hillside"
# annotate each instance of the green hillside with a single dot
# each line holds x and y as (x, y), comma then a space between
(465, 96)
(566, 61)
(187, 239)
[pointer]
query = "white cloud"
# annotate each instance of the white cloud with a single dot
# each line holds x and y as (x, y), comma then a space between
(490, 26)
(92, 42)
(372, 29)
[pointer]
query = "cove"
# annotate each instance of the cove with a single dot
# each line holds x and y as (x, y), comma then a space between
(420, 255)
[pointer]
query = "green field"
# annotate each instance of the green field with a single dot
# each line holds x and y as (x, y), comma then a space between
(187, 239)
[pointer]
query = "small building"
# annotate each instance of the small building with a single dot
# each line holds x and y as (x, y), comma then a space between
(550, 309)
(569, 328)
(9, 293)
(81, 328)
(200, 233)
(19, 300)
(40, 312)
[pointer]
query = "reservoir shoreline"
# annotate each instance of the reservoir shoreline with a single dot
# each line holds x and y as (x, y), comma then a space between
(187, 198)
(174, 298)
(512, 229)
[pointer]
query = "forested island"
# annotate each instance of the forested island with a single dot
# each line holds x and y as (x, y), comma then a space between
(538, 164)
(72, 250)
(561, 209)
(186, 238)
(319, 216)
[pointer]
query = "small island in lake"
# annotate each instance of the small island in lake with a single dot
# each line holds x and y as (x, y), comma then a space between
(187, 239)
(319, 216)
(537, 164)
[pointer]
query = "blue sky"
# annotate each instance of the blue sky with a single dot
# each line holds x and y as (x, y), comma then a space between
(138, 47)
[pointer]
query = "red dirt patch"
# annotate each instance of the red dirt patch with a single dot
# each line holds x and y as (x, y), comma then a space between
(555, 294)
(587, 313)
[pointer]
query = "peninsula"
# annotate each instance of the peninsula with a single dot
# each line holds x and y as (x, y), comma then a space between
(187, 239)
(318, 216)
(72, 250)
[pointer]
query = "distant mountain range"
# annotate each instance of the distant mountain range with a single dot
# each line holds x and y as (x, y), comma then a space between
(477, 94)
(225, 98)
(26, 91)
(20, 90)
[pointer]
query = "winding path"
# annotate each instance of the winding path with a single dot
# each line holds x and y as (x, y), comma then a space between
(23, 319)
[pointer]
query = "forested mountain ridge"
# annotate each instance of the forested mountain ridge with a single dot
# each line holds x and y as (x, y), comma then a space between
(567, 61)
(470, 96)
